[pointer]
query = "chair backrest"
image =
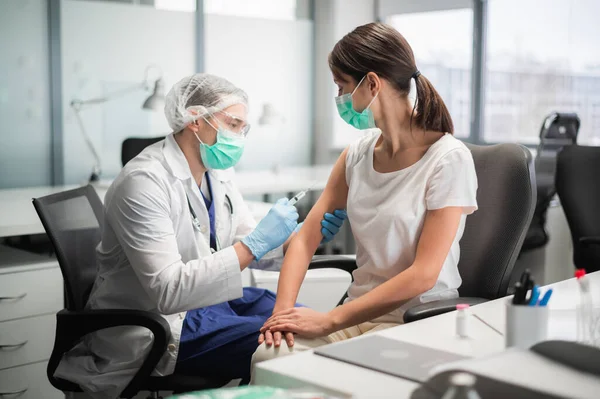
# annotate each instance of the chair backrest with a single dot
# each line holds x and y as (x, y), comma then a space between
(132, 146)
(558, 130)
(494, 234)
(578, 187)
(73, 220)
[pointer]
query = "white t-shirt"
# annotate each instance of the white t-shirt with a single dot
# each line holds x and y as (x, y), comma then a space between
(387, 211)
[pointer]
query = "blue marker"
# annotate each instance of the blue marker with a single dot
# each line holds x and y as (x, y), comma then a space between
(535, 294)
(546, 297)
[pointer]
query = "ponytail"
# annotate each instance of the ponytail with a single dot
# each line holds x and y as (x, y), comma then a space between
(431, 112)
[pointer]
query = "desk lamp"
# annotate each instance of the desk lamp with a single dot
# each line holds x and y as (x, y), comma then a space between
(155, 102)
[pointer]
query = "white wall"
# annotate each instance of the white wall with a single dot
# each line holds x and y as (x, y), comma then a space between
(24, 94)
(106, 47)
(272, 61)
(333, 19)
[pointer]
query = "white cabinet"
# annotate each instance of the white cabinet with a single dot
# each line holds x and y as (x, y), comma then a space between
(27, 382)
(31, 292)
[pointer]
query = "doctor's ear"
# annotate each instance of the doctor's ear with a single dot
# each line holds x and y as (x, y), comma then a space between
(194, 126)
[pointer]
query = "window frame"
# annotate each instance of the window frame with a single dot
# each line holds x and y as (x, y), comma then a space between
(386, 8)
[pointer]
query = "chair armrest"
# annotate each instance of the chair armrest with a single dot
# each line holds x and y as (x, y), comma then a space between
(435, 308)
(346, 263)
(587, 242)
(342, 262)
(72, 326)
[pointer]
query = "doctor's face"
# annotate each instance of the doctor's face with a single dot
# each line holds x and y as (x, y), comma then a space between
(232, 118)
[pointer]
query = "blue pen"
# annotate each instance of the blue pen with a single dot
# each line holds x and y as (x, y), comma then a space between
(546, 297)
(535, 294)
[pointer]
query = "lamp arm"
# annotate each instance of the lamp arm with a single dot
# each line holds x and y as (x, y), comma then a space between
(88, 142)
(78, 104)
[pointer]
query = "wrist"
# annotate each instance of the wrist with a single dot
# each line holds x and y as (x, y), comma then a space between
(336, 319)
(254, 246)
(283, 305)
(244, 254)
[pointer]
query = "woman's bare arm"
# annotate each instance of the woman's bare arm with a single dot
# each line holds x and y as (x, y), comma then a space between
(439, 231)
(304, 245)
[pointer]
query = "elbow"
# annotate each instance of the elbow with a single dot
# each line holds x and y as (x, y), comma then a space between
(428, 283)
(165, 308)
(425, 279)
(165, 305)
(163, 298)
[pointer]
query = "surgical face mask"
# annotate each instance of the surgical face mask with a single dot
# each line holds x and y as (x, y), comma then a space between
(360, 120)
(225, 152)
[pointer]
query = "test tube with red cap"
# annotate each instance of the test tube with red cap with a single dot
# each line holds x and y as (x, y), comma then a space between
(463, 317)
(584, 308)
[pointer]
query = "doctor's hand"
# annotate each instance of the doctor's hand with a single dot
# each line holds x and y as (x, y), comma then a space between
(273, 230)
(330, 225)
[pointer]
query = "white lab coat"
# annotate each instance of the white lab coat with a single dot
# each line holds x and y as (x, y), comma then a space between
(153, 258)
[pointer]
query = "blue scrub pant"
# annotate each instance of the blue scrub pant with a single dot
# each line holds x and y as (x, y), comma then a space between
(219, 340)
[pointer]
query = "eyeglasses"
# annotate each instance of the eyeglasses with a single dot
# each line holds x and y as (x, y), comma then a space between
(234, 123)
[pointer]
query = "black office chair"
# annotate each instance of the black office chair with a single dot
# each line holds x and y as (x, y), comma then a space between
(132, 146)
(493, 235)
(558, 130)
(73, 220)
(578, 186)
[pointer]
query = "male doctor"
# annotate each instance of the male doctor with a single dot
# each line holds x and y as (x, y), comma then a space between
(177, 236)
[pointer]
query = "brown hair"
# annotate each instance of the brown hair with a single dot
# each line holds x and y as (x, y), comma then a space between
(379, 48)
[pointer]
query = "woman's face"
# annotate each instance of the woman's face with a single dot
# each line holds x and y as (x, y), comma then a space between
(362, 96)
(232, 118)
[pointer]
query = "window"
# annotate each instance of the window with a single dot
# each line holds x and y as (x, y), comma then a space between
(269, 9)
(443, 45)
(541, 59)
(176, 5)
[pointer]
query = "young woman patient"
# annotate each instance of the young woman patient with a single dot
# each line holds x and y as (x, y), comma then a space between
(408, 187)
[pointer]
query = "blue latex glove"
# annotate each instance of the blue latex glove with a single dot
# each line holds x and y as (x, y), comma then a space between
(330, 225)
(273, 230)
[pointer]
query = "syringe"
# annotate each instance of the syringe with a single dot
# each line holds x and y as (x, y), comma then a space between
(300, 195)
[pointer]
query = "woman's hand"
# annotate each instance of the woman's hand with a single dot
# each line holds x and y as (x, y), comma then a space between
(275, 338)
(304, 321)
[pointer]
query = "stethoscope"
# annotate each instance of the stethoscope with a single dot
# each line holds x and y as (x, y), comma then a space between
(196, 221)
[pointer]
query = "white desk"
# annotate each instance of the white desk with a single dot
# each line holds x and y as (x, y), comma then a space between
(345, 380)
(18, 217)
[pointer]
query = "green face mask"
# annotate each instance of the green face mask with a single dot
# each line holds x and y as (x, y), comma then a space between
(225, 152)
(359, 120)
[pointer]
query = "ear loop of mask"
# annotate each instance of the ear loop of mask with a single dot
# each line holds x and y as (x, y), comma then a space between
(196, 133)
(357, 86)
(211, 125)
